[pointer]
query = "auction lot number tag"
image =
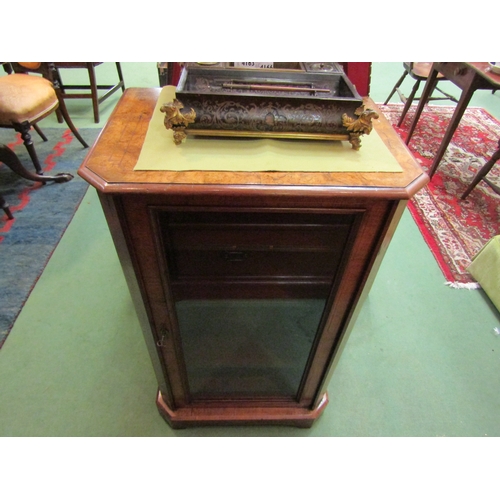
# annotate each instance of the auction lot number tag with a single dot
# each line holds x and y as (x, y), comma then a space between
(257, 65)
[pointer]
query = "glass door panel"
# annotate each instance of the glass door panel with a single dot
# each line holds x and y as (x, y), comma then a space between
(249, 347)
(249, 290)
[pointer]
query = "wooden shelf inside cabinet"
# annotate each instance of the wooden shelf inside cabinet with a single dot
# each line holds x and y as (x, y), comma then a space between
(246, 284)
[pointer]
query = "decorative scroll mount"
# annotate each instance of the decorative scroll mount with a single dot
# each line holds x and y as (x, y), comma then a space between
(359, 126)
(177, 120)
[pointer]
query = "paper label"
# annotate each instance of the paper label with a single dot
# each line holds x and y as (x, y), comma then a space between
(258, 65)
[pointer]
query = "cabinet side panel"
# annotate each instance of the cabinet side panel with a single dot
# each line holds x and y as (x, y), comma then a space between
(113, 212)
(398, 212)
(368, 241)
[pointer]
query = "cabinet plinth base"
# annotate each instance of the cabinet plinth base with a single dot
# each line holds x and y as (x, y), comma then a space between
(256, 415)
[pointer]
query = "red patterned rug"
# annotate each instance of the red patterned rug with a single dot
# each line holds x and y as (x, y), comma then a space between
(455, 230)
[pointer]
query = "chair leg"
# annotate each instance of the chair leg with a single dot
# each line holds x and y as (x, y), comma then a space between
(482, 172)
(40, 133)
(62, 105)
(411, 97)
(10, 160)
(400, 81)
(4, 205)
(57, 75)
(408, 102)
(7, 68)
(120, 76)
(23, 129)
(93, 91)
(67, 119)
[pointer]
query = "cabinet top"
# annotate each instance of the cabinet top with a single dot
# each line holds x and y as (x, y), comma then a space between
(109, 165)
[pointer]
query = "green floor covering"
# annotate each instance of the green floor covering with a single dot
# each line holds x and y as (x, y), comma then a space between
(422, 359)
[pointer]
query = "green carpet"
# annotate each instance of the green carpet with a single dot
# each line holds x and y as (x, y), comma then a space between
(41, 213)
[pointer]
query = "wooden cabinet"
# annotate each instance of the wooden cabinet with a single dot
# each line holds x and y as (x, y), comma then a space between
(245, 284)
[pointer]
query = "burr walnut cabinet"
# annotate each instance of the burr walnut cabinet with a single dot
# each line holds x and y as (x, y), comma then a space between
(246, 284)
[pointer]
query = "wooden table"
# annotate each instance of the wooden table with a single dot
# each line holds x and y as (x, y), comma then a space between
(246, 284)
(469, 77)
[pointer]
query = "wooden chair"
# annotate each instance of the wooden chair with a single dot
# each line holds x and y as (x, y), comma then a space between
(482, 172)
(24, 101)
(93, 87)
(419, 71)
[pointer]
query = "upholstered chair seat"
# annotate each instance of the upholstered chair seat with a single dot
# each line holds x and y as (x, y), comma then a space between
(25, 98)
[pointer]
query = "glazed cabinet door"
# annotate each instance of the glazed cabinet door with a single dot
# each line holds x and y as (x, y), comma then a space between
(248, 292)
(247, 304)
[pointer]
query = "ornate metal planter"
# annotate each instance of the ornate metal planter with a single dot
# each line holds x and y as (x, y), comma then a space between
(291, 100)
